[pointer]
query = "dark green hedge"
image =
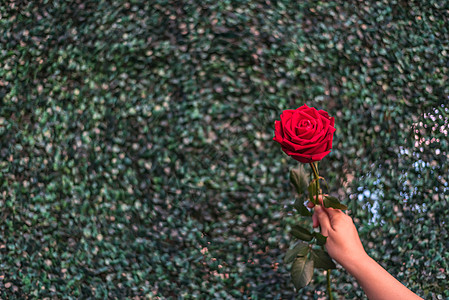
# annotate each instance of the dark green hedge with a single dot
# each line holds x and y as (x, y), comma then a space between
(136, 157)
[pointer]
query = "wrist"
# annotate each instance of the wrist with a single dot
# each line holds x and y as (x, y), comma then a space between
(357, 263)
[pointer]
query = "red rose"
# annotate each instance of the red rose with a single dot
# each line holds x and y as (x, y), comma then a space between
(305, 133)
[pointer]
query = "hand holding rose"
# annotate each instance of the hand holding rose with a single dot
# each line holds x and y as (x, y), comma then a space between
(343, 244)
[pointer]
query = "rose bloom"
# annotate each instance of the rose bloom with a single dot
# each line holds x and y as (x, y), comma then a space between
(305, 133)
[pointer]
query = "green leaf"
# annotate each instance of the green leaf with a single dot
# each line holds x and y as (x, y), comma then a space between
(299, 179)
(322, 260)
(333, 202)
(312, 191)
(302, 271)
(320, 239)
(301, 249)
(301, 208)
(301, 233)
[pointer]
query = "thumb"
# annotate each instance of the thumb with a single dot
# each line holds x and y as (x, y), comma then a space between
(323, 219)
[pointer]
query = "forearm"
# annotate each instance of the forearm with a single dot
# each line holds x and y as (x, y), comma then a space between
(377, 283)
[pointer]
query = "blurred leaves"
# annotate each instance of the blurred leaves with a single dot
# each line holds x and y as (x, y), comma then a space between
(135, 143)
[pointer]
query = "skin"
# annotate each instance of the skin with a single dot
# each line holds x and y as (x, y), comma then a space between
(343, 244)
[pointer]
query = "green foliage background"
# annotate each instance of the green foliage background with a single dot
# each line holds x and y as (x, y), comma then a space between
(136, 155)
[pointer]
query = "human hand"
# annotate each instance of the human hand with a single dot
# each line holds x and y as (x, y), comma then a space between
(343, 243)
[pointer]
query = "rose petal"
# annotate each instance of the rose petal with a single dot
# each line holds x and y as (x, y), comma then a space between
(317, 137)
(319, 122)
(288, 133)
(286, 115)
(330, 137)
(305, 133)
(306, 158)
(311, 111)
(295, 119)
(326, 122)
(306, 148)
(326, 115)
(329, 144)
(319, 156)
(278, 133)
(305, 125)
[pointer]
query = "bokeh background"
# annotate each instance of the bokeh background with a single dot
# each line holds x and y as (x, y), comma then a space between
(136, 151)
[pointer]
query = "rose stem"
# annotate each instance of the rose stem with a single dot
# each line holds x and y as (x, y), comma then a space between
(317, 178)
(328, 273)
(329, 290)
